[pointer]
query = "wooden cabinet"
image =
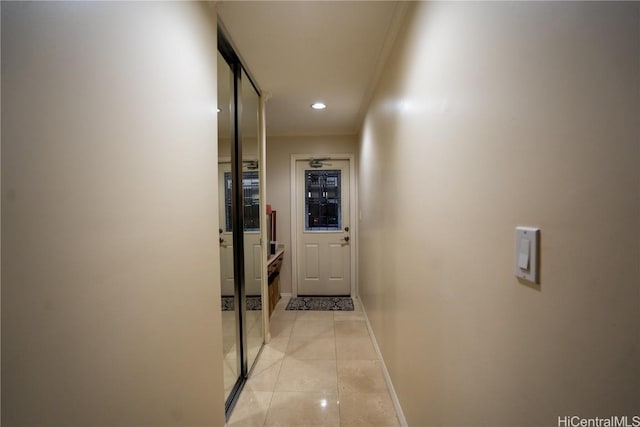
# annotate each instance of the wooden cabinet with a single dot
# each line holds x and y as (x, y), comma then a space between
(274, 294)
(273, 268)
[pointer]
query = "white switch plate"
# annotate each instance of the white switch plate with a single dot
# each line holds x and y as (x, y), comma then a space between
(527, 254)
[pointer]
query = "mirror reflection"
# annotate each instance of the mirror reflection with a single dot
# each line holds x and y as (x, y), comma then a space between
(251, 211)
(229, 304)
(242, 304)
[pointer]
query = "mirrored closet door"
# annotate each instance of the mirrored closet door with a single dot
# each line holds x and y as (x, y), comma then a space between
(230, 326)
(240, 219)
(252, 220)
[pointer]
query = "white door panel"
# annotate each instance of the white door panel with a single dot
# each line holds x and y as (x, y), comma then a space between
(226, 269)
(252, 262)
(336, 262)
(312, 260)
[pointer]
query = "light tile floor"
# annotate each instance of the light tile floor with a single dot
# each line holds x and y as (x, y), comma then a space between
(320, 369)
(254, 341)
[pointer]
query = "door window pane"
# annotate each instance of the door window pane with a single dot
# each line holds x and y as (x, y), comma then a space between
(227, 201)
(323, 209)
(250, 200)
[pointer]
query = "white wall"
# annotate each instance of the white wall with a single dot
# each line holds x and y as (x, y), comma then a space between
(488, 116)
(279, 151)
(110, 273)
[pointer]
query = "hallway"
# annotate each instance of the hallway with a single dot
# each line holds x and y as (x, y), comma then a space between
(320, 368)
(465, 122)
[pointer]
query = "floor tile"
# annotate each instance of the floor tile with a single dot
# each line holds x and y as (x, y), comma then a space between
(367, 410)
(255, 329)
(230, 377)
(284, 300)
(314, 315)
(228, 325)
(293, 409)
(253, 348)
(355, 348)
(283, 315)
(348, 315)
(319, 369)
(264, 375)
(282, 304)
(253, 316)
(231, 361)
(251, 409)
(357, 305)
(313, 327)
(308, 375)
(342, 424)
(229, 344)
(361, 376)
(275, 349)
(350, 328)
(280, 328)
(304, 347)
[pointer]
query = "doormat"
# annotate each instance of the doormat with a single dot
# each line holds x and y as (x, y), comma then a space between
(321, 304)
(253, 303)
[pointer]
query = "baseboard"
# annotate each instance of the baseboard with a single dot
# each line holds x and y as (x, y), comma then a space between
(387, 377)
(285, 294)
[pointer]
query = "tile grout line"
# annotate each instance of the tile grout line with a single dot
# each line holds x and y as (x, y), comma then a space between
(273, 392)
(335, 343)
(385, 371)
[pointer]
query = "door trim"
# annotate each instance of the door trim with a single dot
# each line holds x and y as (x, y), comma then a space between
(353, 224)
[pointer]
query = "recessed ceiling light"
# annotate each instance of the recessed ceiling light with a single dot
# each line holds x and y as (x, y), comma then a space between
(318, 106)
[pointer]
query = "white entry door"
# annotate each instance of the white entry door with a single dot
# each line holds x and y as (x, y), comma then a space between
(323, 238)
(252, 248)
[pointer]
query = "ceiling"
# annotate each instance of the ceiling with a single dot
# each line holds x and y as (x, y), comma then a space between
(300, 52)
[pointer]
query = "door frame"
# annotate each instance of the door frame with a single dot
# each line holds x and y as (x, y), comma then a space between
(353, 224)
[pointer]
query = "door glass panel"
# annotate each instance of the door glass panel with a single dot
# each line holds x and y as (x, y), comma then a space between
(251, 200)
(323, 207)
(251, 219)
(227, 202)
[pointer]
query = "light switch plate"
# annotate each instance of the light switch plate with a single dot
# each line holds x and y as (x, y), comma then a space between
(527, 266)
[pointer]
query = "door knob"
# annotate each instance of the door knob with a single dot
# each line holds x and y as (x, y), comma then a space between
(346, 238)
(346, 229)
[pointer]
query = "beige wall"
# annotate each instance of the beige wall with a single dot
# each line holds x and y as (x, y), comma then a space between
(279, 151)
(110, 281)
(488, 116)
